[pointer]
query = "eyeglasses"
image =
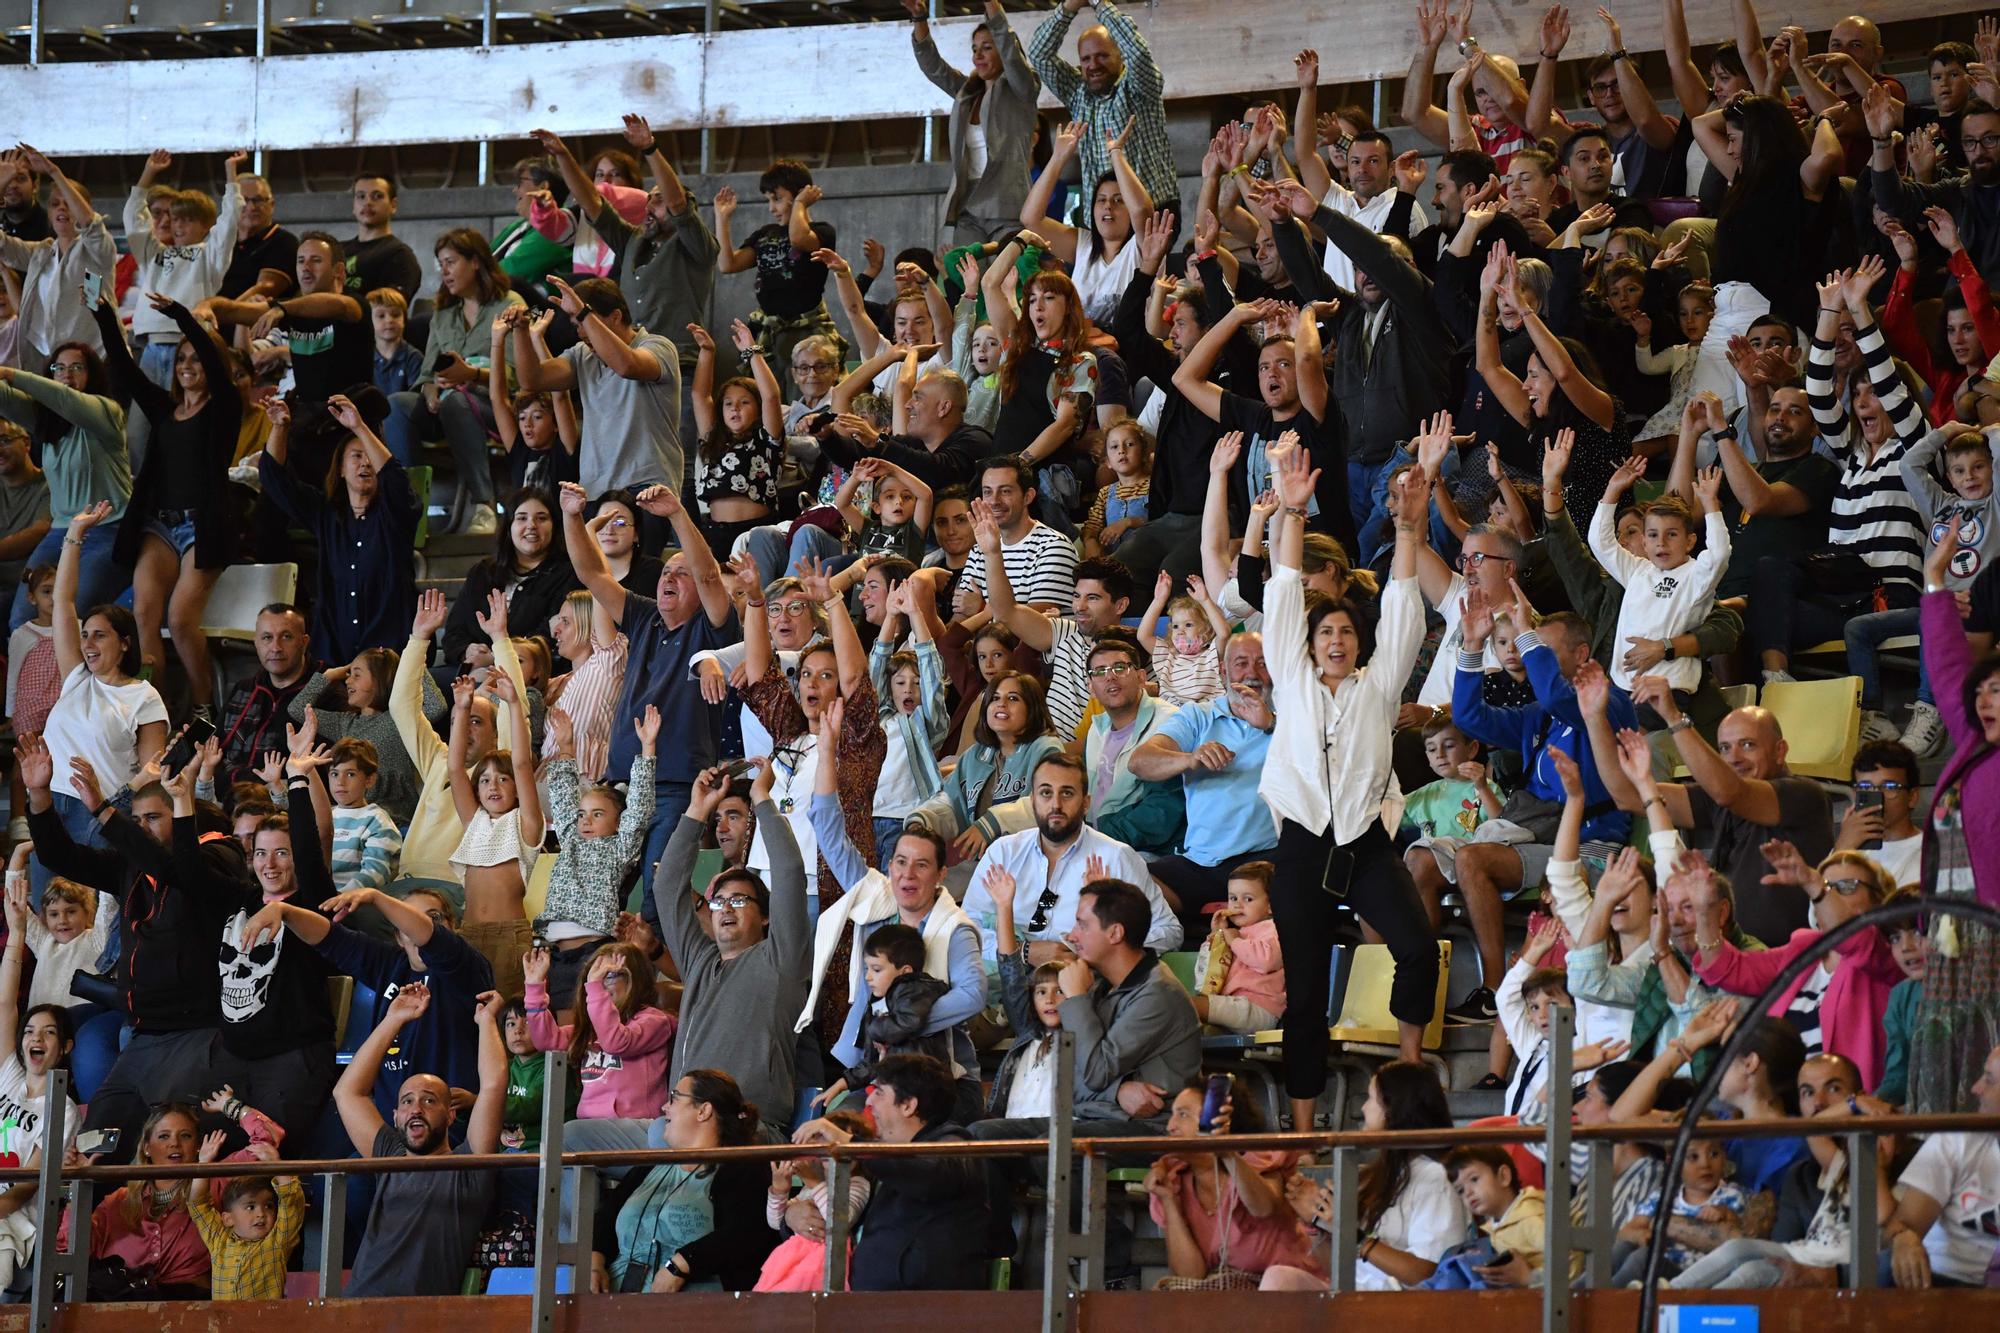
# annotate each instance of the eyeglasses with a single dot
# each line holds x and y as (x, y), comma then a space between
(1474, 559)
(1847, 888)
(813, 368)
(735, 902)
(1043, 906)
(1990, 142)
(1882, 786)
(1110, 669)
(798, 607)
(67, 368)
(437, 917)
(1604, 86)
(676, 1095)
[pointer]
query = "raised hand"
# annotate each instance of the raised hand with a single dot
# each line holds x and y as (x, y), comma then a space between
(1433, 443)
(1554, 32)
(493, 620)
(659, 501)
(815, 578)
(725, 202)
(431, 612)
(1708, 488)
(411, 1002)
(1862, 279)
(1305, 68)
(1627, 472)
(1635, 758)
(1567, 771)
(647, 726)
(1788, 866)
(741, 338)
(1555, 457)
(37, 765)
(1943, 228)
(703, 342)
(1227, 450)
(1297, 479)
(1593, 688)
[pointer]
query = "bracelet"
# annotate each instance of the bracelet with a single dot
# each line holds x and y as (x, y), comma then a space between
(1240, 169)
(1676, 726)
(1546, 56)
(1621, 54)
(748, 601)
(1296, 511)
(1935, 587)
(650, 146)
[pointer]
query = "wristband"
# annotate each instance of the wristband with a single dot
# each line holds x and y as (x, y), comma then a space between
(656, 143)
(1240, 169)
(1546, 56)
(72, 541)
(1296, 511)
(1935, 587)
(1621, 54)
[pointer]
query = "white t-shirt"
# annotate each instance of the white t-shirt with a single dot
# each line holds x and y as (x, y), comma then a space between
(975, 150)
(896, 792)
(885, 382)
(1425, 1220)
(21, 1115)
(1962, 1171)
(1444, 667)
(100, 722)
(1372, 215)
(1100, 282)
(1902, 858)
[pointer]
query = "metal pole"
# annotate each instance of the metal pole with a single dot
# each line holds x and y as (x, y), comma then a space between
(930, 122)
(48, 1196)
(1555, 1155)
(35, 34)
(1056, 1246)
(1603, 1180)
(1862, 1146)
(548, 1198)
(839, 1178)
(332, 1234)
(709, 18)
(1090, 1243)
(489, 31)
(1346, 1219)
(263, 53)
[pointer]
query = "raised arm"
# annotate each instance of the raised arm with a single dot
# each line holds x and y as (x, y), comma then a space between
(1062, 238)
(1655, 127)
(1191, 376)
(463, 798)
(68, 625)
(1419, 111)
(1691, 90)
(586, 557)
(730, 257)
(1036, 630)
(354, 1094)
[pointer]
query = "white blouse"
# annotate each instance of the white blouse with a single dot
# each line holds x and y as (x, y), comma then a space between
(1426, 1219)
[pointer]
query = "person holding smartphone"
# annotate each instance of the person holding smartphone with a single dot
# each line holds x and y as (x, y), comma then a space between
(1330, 777)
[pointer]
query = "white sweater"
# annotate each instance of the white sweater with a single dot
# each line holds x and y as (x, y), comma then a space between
(1659, 603)
(188, 273)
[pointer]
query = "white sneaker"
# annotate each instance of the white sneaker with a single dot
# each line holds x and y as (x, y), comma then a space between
(1925, 735)
(1878, 726)
(483, 523)
(1779, 678)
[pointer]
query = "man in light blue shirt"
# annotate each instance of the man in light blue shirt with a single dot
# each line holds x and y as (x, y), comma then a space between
(1216, 751)
(1051, 863)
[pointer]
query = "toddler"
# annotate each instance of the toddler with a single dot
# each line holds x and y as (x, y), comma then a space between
(602, 835)
(1123, 505)
(902, 997)
(1190, 668)
(1509, 686)
(251, 1231)
(1669, 590)
(910, 686)
(366, 842)
(896, 522)
(799, 1262)
(739, 425)
(398, 366)
(1705, 1196)
(1697, 311)
(1511, 1218)
(1243, 957)
(503, 834)
(976, 349)
(619, 1040)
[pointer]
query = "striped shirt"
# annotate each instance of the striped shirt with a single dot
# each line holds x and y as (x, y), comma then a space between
(366, 847)
(1069, 682)
(589, 696)
(1138, 93)
(1873, 514)
(1041, 568)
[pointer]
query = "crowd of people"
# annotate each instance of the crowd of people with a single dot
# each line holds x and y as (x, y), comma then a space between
(859, 697)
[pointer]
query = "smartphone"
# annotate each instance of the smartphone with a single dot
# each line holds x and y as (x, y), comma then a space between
(93, 288)
(1213, 1098)
(738, 768)
(187, 745)
(1339, 873)
(1870, 800)
(1499, 1257)
(93, 1142)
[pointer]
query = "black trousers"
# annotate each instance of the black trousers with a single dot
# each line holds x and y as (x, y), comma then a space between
(1382, 893)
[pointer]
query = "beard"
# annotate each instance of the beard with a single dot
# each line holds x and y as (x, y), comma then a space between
(1058, 826)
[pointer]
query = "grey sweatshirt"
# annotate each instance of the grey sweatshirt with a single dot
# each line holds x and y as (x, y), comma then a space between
(1980, 519)
(1144, 1028)
(737, 1013)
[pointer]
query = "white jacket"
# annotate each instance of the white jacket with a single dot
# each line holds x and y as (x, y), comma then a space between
(1660, 603)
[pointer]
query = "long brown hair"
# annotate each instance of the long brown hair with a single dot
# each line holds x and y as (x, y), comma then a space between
(1073, 337)
(493, 282)
(1412, 1098)
(382, 663)
(720, 438)
(640, 993)
(1031, 695)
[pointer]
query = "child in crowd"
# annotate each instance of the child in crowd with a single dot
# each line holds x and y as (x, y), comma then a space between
(1705, 1196)
(1670, 590)
(1024, 1084)
(521, 1116)
(896, 521)
(902, 996)
(69, 935)
(975, 351)
(502, 813)
(910, 685)
(1697, 311)
(250, 1233)
(1122, 505)
(799, 1262)
(1462, 798)
(1251, 996)
(33, 682)
(739, 424)
(602, 833)
(1189, 666)
(539, 431)
(188, 267)
(1908, 940)
(1508, 687)
(1524, 998)
(354, 703)
(397, 366)
(366, 842)
(791, 281)
(1968, 467)
(620, 1041)
(1511, 1218)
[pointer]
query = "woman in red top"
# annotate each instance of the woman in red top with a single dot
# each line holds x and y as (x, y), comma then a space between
(1971, 320)
(145, 1227)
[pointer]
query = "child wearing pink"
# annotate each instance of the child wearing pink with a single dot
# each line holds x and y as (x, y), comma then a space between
(625, 1065)
(1253, 992)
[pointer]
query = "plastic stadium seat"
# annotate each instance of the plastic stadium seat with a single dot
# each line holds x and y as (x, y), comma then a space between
(1181, 964)
(521, 1281)
(421, 476)
(240, 593)
(340, 995)
(1821, 720)
(1364, 1012)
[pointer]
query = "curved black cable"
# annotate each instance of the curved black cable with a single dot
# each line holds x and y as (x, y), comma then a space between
(1874, 918)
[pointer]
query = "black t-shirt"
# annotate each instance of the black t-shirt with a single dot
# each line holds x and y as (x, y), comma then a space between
(547, 468)
(276, 249)
(1735, 847)
(330, 356)
(1774, 238)
(383, 262)
(1325, 441)
(1985, 593)
(789, 283)
(30, 222)
(1751, 539)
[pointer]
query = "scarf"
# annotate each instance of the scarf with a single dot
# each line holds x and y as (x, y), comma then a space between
(871, 900)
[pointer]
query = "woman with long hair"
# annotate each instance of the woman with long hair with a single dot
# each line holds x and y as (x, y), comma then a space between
(741, 423)
(182, 535)
(365, 519)
(143, 1242)
(79, 429)
(618, 1038)
(43, 1040)
(692, 1227)
(1408, 1211)
(450, 401)
(1103, 253)
(529, 565)
(353, 700)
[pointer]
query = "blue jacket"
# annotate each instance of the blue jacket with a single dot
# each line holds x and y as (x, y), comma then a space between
(1552, 720)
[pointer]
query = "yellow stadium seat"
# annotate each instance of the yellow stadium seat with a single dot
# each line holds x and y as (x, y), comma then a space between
(1821, 720)
(1364, 1018)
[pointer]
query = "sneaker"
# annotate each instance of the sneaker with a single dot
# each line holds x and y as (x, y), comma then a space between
(1925, 735)
(483, 522)
(1878, 726)
(1779, 678)
(1490, 1082)
(1475, 1008)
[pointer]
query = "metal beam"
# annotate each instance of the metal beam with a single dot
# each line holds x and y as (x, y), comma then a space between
(1059, 1245)
(48, 1203)
(852, 71)
(548, 1193)
(1556, 1181)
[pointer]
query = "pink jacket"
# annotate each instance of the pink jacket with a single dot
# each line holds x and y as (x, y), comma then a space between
(1851, 1009)
(589, 252)
(1257, 967)
(625, 1070)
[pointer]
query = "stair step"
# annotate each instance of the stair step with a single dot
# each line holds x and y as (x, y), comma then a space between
(1469, 1104)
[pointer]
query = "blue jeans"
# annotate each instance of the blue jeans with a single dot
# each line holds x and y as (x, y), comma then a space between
(888, 832)
(670, 802)
(98, 1039)
(1367, 484)
(156, 362)
(1865, 637)
(777, 556)
(99, 578)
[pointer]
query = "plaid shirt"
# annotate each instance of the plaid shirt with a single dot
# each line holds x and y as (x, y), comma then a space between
(1137, 93)
(249, 1270)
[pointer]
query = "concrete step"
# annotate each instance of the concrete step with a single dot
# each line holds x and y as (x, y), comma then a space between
(1467, 1105)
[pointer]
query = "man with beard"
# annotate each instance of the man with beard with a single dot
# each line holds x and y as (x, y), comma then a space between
(1776, 508)
(1114, 88)
(1048, 866)
(1370, 199)
(1150, 816)
(1102, 592)
(1972, 198)
(423, 1224)
(665, 265)
(255, 715)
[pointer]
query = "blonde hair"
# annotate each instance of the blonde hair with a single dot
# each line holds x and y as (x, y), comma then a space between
(76, 895)
(390, 297)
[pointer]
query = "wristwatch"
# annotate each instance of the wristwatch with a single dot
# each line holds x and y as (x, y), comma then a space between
(1669, 649)
(1681, 723)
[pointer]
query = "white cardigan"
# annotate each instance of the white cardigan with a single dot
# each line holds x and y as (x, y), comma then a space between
(1330, 759)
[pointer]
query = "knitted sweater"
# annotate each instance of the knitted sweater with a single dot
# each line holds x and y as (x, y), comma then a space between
(366, 847)
(583, 888)
(396, 785)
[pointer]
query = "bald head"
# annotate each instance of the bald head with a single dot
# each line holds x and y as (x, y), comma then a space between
(1858, 38)
(1751, 742)
(1100, 60)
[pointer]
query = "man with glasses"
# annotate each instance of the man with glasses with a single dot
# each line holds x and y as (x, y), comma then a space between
(1149, 816)
(1879, 820)
(265, 252)
(1971, 197)
(1214, 753)
(1048, 867)
(1636, 135)
(1488, 558)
